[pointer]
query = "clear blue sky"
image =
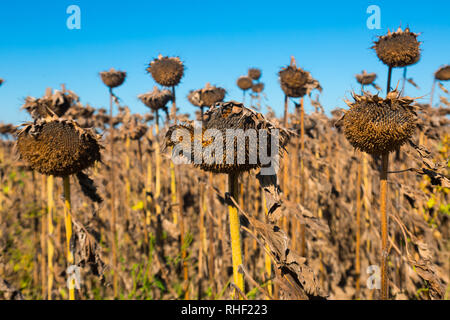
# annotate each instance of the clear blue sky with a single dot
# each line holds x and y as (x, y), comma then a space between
(218, 41)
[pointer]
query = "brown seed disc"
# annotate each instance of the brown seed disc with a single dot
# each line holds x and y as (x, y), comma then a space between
(156, 99)
(244, 82)
(254, 73)
(398, 49)
(377, 126)
(296, 82)
(258, 87)
(443, 73)
(365, 78)
(113, 78)
(57, 147)
(166, 71)
(223, 116)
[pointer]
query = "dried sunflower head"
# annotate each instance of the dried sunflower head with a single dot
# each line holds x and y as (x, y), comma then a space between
(57, 147)
(6, 129)
(206, 96)
(244, 82)
(258, 87)
(223, 120)
(166, 71)
(53, 103)
(365, 78)
(113, 78)
(443, 73)
(376, 125)
(296, 82)
(398, 49)
(156, 99)
(254, 73)
(132, 127)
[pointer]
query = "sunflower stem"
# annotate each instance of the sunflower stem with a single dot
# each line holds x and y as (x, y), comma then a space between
(358, 228)
(50, 230)
(236, 247)
(389, 80)
(384, 226)
(68, 225)
(432, 92)
(113, 194)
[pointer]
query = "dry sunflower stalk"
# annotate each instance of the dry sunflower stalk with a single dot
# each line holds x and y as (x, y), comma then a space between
(223, 116)
(379, 126)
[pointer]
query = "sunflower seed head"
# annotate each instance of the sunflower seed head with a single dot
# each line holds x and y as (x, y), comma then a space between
(398, 49)
(376, 125)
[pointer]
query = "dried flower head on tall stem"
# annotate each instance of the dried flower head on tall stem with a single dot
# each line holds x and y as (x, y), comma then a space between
(442, 74)
(220, 118)
(113, 79)
(379, 126)
(57, 147)
(296, 83)
(244, 83)
(206, 97)
(397, 49)
(365, 79)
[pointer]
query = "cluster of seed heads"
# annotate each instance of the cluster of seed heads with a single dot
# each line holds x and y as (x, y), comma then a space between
(132, 127)
(53, 103)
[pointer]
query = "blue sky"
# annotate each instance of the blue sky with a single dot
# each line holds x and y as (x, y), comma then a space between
(218, 42)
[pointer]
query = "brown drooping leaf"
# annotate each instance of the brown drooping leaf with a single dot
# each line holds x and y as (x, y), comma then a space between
(88, 187)
(87, 250)
(426, 270)
(294, 274)
(410, 80)
(442, 87)
(436, 171)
